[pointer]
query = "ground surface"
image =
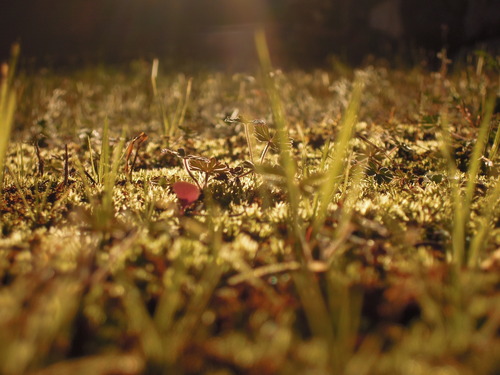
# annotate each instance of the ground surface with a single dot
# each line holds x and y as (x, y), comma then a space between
(377, 255)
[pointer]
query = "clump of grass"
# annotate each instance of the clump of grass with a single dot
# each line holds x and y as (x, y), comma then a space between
(172, 120)
(106, 174)
(332, 318)
(463, 254)
(339, 155)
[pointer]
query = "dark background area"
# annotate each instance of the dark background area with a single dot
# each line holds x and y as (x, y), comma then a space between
(219, 33)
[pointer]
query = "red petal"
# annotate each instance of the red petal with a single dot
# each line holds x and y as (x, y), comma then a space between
(186, 191)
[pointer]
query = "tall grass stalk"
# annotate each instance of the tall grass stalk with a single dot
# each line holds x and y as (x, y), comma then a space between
(340, 153)
(286, 158)
(478, 152)
(480, 238)
(53, 305)
(154, 78)
(345, 305)
(186, 325)
(110, 178)
(333, 317)
(458, 237)
(7, 106)
(307, 286)
(103, 169)
(343, 230)
(17, 183)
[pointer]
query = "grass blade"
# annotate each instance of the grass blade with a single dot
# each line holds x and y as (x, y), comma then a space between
(340, 151)
(7, 107)
(305, 283)
(104, 157)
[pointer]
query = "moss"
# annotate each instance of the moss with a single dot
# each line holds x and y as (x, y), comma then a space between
(147, 270)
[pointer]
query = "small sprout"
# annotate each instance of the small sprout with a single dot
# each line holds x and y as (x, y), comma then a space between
(181, 154)
(263, 134)
(209, 167)
(236, 119)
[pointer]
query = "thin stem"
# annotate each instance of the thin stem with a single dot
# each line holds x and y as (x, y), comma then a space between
(188, 170)
(264, 152)
(247, 135)
(205, 183)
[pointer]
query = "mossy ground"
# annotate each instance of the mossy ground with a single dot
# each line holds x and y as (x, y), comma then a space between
(140, 284)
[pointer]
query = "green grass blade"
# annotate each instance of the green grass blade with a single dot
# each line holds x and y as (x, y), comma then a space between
(6, 119)
(496, 144)
(287, 161)
(478, 151)
(480, 239)
(93, 167)
(154, 79)
(111, 176)
(340, 152)
(186, 326)
(104, 157)
(141, 322)
(462, 202)
(305, 282)
(182, 106)
(7, 107)
(457, 250)
(171, 298)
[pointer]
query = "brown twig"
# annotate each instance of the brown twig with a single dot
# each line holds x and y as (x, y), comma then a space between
(136, 142)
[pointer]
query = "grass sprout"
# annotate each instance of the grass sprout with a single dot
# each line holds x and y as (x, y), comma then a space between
(171, 121)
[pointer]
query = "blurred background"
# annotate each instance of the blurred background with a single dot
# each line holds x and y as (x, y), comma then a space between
(219, 33)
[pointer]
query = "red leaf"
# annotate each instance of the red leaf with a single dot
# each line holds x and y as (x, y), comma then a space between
(186, 192)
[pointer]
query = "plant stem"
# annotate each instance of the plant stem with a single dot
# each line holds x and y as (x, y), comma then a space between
(190, 173)
(249, 141)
